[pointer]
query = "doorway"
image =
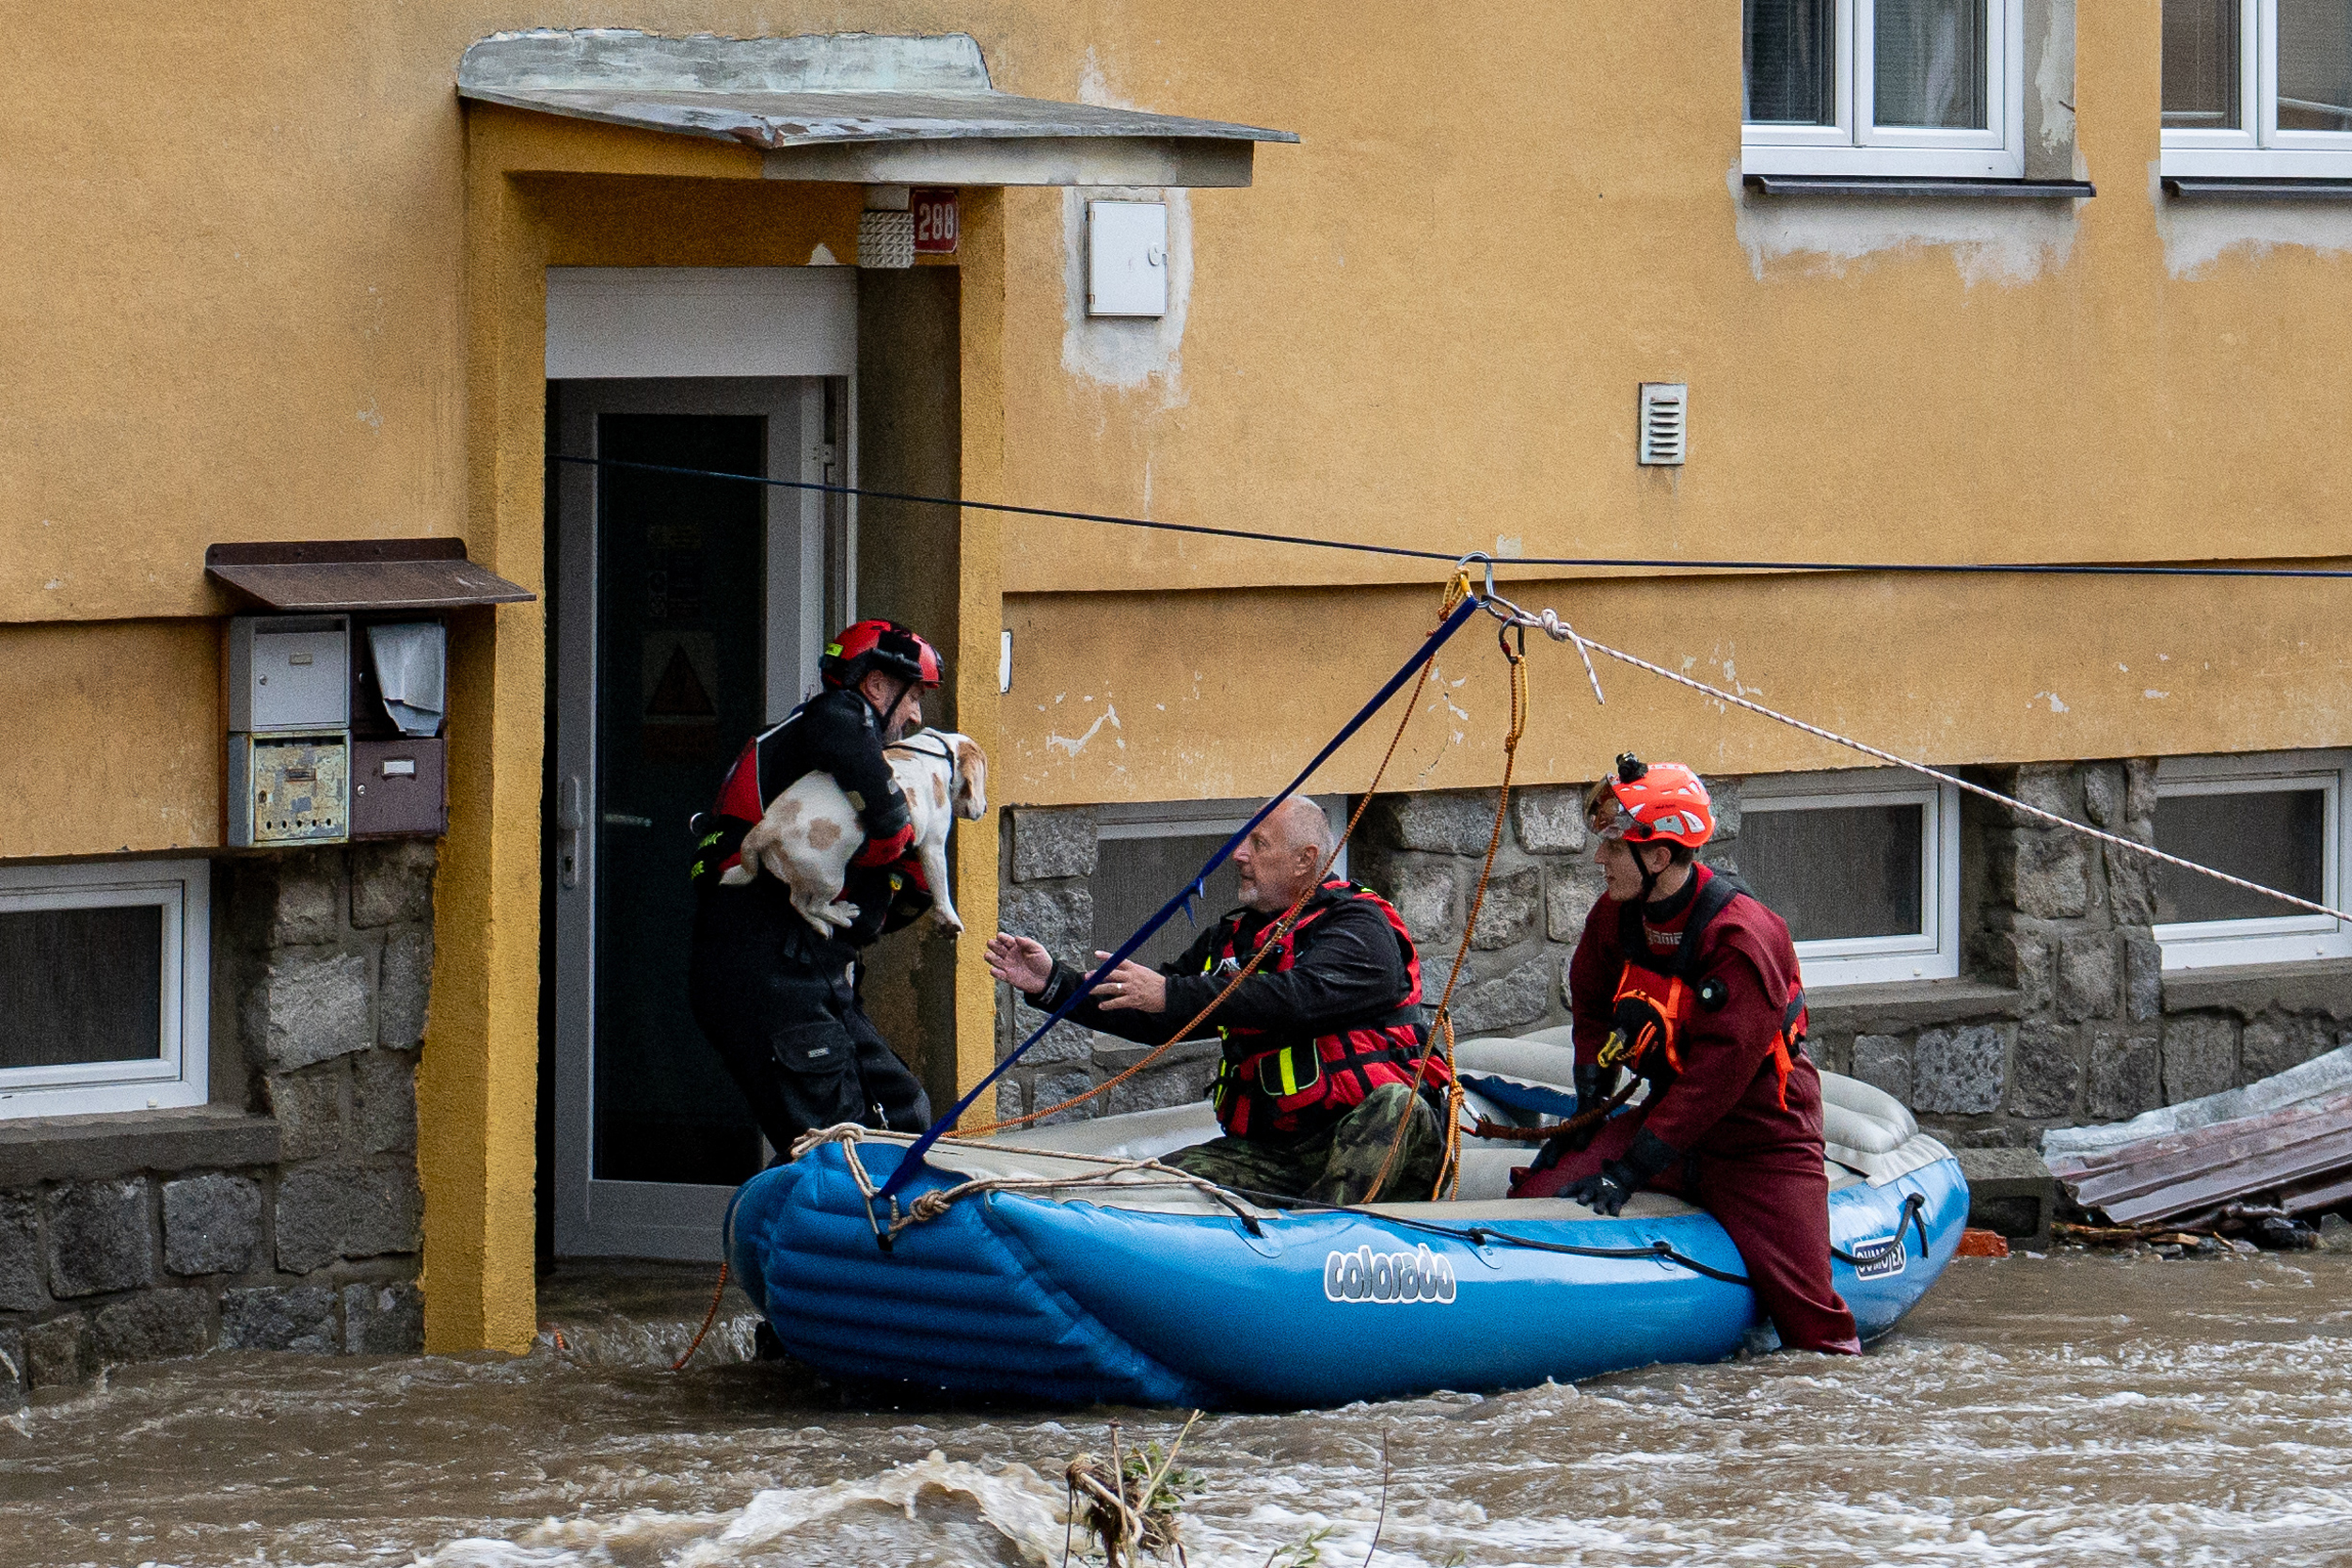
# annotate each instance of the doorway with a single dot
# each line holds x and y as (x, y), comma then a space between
(689, 614)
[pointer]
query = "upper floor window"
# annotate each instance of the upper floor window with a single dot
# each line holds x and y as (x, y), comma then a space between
(104, 987)
(2257, 88)
(2277, 820)
(1927, 88)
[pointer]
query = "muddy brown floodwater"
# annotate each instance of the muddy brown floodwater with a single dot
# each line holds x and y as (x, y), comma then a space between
(2080, 1409)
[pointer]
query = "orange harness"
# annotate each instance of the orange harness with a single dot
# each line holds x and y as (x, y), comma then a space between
(1652, 1007)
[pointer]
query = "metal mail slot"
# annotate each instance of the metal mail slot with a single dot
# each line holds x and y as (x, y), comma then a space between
(288, 789)
(398, 788)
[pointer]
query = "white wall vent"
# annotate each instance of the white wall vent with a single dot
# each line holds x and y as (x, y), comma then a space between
(1665, 418)
(885, 240)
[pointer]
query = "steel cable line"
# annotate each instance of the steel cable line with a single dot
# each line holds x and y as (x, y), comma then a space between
(1450, 557)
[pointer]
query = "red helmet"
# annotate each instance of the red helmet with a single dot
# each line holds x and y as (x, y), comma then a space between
(883, 645)
(1660, 803)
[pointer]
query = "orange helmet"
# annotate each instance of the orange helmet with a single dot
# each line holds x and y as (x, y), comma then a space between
(1664, 803)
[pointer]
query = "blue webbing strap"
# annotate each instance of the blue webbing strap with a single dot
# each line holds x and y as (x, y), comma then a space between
(913, 1159)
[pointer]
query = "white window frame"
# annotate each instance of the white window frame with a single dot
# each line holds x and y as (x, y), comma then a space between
(1856, 147)
(2288, 937)
(1200, 818)
(1930, 954)
(178, 1076)
(2259, 151)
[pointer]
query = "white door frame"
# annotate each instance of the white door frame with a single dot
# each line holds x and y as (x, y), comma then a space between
(776, 342)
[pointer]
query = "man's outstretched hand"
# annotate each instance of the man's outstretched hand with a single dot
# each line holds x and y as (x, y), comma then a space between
(1131, 985)
(1020, 962)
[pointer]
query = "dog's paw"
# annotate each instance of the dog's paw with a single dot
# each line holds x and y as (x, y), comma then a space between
(737, 875)
(948, 923)
(842, 915)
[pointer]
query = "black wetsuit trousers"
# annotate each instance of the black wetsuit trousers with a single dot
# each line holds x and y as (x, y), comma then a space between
(782, 1010)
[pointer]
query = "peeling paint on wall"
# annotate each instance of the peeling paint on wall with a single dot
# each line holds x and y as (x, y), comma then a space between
(1990, 242)
(2196, 234)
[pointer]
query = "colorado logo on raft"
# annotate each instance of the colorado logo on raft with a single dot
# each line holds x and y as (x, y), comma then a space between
(1388, 1278)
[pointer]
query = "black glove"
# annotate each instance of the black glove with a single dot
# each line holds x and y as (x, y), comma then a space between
(1594, 1084)
(1606, 1193)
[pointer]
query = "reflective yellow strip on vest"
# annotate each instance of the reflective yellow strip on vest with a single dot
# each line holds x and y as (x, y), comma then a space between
(1290, 1071)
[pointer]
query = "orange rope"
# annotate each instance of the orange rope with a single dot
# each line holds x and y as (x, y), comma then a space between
(708, 1318)
(1266, 944)
(1443, 1025)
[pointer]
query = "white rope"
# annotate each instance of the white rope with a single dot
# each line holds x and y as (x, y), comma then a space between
(1550, 623)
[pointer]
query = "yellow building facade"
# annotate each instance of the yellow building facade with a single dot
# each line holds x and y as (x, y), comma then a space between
(273, 278)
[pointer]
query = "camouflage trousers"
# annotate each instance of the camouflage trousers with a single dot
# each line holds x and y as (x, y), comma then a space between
(1337, 1164)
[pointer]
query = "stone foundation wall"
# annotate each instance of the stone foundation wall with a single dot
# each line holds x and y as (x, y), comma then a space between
(286, 1215)
(2062, 1014)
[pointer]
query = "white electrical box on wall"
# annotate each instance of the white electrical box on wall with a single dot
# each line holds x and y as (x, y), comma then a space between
(1126, 258)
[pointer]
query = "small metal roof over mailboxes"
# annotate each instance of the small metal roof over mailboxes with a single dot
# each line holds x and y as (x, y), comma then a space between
(360, 575)
(858, 107)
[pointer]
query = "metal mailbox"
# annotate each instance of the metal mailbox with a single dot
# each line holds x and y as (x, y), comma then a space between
(289, 788)
(399, 788)
(289, 673)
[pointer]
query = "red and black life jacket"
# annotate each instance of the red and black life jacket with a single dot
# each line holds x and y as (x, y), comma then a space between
(1269, 1083)
(1654, 1005)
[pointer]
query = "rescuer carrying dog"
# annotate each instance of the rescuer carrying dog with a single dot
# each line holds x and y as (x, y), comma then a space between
(776, 1000)
(1324, 1045)
(1685, 979)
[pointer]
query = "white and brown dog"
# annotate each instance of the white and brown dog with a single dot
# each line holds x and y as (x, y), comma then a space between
(810, 831)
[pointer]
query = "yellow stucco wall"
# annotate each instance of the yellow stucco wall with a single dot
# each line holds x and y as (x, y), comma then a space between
(266, 279)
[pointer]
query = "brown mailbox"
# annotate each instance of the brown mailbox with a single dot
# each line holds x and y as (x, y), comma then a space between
(399, 788)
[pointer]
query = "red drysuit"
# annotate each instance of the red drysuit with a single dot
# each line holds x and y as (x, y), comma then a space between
(1751, 1161)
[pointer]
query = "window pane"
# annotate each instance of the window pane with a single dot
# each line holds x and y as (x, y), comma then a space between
(81, 985)
(1835, 872)
(1789, 49)
(1133, 876)
(2276, 837)
(1930, 63)
(2201, 64)
(2315, 65)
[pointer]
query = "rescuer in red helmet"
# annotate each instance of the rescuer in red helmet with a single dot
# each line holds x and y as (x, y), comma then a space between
(1684, 978)
(778, 1001)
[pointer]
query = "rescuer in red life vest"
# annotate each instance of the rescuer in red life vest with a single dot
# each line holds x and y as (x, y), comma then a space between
(1324, 1045)
(1684, 978)
(777, 1001)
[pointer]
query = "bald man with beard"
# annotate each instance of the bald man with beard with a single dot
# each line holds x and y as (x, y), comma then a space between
(1325, 1045)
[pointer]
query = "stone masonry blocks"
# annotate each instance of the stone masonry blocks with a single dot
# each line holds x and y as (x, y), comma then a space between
(384, 1103)
(1513, 905)
(381, 1319)
(404, 993)
(310, 1110)
(20, 1254)
(2124, 1078)
(2088, 976)
(1959, 1070)
(2199, 1056)
(98, 1238)
(296, 1318)
(1549, 820)
(330, 1212)
(212, 1223)
(310, 1006)
(1060, 918)
(391, 882)
(1569, 893)
(1884, 1062)
(2051, 877)
(1049, 842)
(1428, 894)
(60, 1353)
(154, 1325)
(1444, 821)
(1518, 997)
(2045, 1075)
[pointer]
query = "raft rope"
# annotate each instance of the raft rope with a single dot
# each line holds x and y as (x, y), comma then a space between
(934, 1202)
(2021, 568)
(1552, 626)
(1190, 891)
(708, 1318)
(1455, 591)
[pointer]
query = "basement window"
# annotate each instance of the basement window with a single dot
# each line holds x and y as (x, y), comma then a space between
(104, 987)
(1144, 853)
(2257, 90)
(2274, 820)
(1925, 88)
(1864, 866)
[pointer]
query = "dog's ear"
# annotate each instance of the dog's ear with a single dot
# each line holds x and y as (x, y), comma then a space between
(971, 780)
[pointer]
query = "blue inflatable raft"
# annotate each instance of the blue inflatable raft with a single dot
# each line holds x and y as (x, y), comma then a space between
(1069, 1275)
